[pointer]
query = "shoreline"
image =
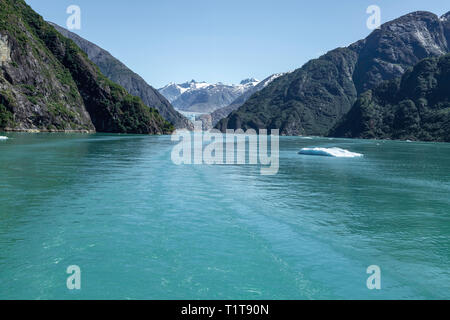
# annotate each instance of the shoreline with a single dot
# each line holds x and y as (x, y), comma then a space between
(87, 132)
(37, 131)
(7, 130)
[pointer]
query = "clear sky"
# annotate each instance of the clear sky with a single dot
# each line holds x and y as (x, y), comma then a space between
(223, 40)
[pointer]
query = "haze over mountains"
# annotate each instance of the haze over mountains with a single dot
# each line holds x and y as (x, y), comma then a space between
(312, 99)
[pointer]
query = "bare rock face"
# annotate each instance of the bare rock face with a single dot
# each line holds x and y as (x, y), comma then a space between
(35, 92)
(312, 99)
(400, 44)
(5, 51)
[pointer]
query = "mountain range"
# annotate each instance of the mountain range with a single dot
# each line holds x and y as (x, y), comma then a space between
(47, 83)
(394, 84)
(312, 99)
(117, 72)
(203, 97)
(221, 113)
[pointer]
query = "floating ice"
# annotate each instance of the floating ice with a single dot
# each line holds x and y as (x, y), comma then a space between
(3, 138)
(330, 152)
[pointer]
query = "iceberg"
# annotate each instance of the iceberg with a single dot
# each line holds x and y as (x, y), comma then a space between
(3, 138)
(330, 152)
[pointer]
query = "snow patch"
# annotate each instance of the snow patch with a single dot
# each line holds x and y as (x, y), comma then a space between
(173, 91)
(272, 78)
(330, 152)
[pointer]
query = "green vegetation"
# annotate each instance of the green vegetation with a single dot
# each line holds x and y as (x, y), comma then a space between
(414, 107)
(7, 101)
(59, 110)
(72, 83)
(306, 101)
(117, 72)
(312, 99)
(32, 99)
(6, 117)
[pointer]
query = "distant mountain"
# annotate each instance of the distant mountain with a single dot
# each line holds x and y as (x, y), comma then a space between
(117, 72)
(310, 100)
(221, 113)
(173, 91)
(48, 84)
(414, 107)
(203, 97)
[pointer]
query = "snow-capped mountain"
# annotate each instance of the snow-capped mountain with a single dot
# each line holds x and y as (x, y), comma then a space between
(203, 97)
(173, 91)
(221, 113)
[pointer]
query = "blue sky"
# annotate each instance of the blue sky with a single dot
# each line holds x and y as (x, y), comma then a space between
(227, 41)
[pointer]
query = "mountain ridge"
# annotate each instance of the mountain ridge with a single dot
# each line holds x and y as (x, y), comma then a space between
(413, 107)
(221, 113)
(312, 99)
(203, 97)
(119, 73)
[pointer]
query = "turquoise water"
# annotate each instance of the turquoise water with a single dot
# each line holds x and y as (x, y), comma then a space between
(140, 227)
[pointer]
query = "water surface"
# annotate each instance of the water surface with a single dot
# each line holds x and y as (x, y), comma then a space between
(141, 227)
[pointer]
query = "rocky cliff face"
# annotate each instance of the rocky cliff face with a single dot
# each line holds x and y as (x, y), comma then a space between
(5, 51)
(48, 84)
(414, 107)
(387, 53)
(312, 99)
(117, 72)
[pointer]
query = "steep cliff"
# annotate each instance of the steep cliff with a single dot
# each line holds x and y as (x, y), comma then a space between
(48, 84)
